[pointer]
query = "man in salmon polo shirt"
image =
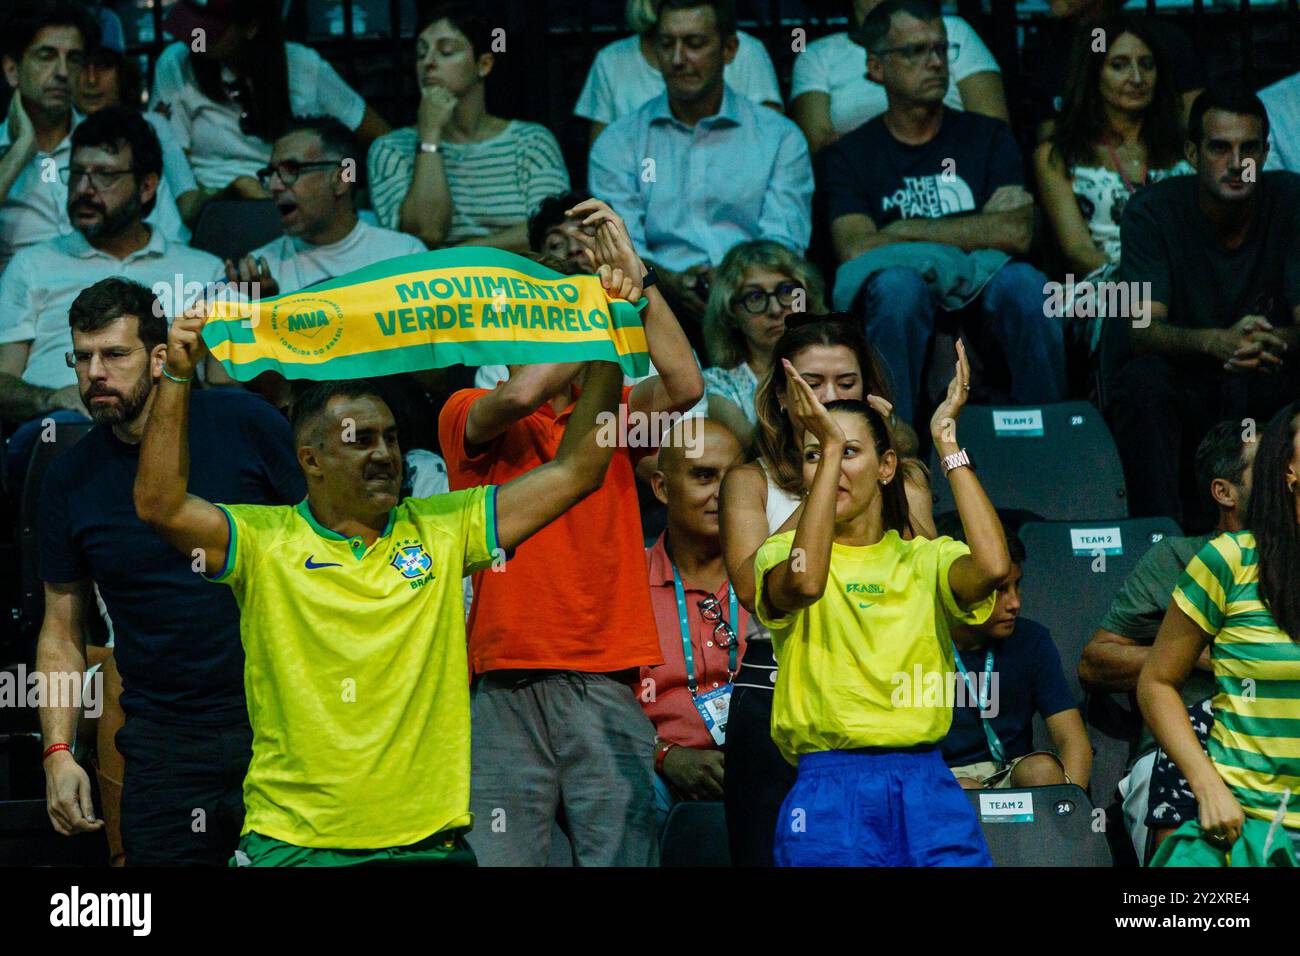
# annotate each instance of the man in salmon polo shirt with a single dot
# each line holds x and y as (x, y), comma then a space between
(558, 634)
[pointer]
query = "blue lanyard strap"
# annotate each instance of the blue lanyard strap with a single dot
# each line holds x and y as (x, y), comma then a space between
(982, 695)
(683, 621)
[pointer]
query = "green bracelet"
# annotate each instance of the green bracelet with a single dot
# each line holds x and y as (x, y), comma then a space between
(179, 381)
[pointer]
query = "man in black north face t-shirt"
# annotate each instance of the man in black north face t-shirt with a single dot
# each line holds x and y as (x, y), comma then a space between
(924, 173)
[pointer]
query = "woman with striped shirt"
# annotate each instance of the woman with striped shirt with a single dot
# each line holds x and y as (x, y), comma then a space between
(461, 176)
(1241, 595)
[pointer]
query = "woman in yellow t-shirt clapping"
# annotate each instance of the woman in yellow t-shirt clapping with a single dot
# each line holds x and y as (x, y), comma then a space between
(860, 622)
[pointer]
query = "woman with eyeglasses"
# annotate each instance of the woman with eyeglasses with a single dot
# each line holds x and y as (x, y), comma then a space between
(830, 94)
(758, 285)
(231, 82)
(1240, 597)
(762, 498)
(1121, 129)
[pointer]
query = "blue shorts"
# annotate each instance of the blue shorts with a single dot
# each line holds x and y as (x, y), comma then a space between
(878, 807)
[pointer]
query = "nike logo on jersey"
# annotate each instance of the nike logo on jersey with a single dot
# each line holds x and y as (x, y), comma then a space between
(312, 566)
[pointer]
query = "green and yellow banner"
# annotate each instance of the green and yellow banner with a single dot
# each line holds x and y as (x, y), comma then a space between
(467, 306)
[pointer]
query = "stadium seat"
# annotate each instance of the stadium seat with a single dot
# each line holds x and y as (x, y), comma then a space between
(1041, 826)
(231, 228)
(1073, 571)
(1058, 461)
(695, 835)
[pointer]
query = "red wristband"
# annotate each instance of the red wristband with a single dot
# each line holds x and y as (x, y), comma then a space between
(664, 747)
(55, 748)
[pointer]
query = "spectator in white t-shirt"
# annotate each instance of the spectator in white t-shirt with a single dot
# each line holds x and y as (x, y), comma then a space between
(109, 78)
(625, 74)
(311, 178)
(231, 98)
(42, 46)
(461, 176)
(1282, 100)
(830, 94)
(113, 175)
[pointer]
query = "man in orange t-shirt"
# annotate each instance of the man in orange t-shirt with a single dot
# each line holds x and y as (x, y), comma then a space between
(558, 634)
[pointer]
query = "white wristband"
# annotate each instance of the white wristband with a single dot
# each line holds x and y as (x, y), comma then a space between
(428, 147)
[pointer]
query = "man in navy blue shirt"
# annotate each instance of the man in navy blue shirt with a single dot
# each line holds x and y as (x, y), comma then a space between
(186, 741)
(923, 173)
(1010, 665)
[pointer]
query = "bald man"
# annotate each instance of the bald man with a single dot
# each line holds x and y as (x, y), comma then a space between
(698, 617)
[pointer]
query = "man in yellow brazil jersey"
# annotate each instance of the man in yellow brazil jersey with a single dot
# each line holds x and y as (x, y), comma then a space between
(351, 615)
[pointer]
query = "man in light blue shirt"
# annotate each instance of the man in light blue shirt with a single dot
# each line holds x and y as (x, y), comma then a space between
(701, 168)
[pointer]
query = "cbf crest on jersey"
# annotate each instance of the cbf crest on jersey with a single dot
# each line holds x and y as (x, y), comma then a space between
(410, 559)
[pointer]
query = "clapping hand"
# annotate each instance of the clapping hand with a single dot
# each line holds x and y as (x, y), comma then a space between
(609, 249)
(807, 411)
(943, 424)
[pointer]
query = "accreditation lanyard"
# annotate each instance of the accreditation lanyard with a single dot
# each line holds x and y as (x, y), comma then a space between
(687, 651)
(982, 695)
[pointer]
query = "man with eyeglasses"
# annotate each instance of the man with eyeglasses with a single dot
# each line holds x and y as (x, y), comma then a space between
(924, 173)
(312, 177)
(699, 620)
(112, 180)
(186, 740)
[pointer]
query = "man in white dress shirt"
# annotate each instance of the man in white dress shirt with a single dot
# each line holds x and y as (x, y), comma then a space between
(112, 180)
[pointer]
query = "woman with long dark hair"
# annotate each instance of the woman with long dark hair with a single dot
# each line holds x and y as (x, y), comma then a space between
(1068, 20)
(230, 84)
(854, 608)
(1120, 130)
(1240, 596)
(763, 498)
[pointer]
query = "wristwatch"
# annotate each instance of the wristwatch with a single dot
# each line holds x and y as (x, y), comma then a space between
(651, 277)
(428, 147)
(958, 459)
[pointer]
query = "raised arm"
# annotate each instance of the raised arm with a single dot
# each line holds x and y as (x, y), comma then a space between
(679, 383)
(426, 210)
(800, 580)
(743, 520)
(533, 500)
(516, 398)
(974, 576)
(61, 650)
(1179, 643)
(190, 524)
(22, 144)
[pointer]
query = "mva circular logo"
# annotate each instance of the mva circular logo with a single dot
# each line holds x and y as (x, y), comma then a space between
(307, 326)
